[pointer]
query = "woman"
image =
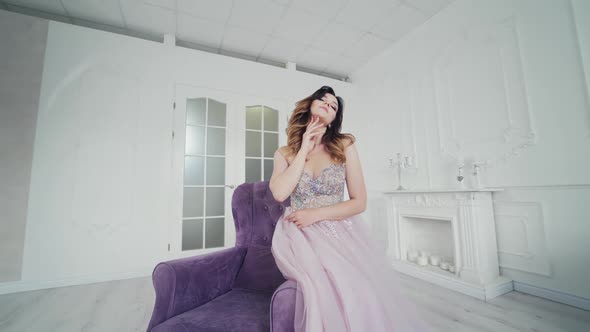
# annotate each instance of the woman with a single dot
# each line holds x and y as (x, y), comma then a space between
(344, 283)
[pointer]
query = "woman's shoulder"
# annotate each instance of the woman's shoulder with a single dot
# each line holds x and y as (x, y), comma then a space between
(284, 152)
(348, 140)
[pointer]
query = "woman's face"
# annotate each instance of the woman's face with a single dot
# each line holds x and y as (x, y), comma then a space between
(325, 108)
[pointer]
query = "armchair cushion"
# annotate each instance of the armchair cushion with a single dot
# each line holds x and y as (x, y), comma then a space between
(259, 271)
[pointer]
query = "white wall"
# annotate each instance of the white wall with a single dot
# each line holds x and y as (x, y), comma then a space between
(20, 82)
(98, 206)
(505, 81)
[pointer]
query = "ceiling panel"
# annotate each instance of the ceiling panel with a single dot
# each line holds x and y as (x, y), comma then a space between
(315, 59)
(243, 41)
(283, 50)
(247, 14)
(368, 46)
(148, 18)
(214, 10)
(336, 37)
(363, 14)
(429, 7)
(401, 21)
(328, 9)
(300, 26)
(283, 2)
(343, 66)
(170, 4)
(100, 11)
(199, 31)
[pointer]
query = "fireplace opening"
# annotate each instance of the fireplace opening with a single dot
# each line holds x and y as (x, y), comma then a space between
(428, 242)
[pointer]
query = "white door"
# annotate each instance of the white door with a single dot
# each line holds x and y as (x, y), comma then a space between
(221, 139)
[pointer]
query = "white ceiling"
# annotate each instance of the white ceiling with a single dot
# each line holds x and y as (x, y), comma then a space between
(325, 37)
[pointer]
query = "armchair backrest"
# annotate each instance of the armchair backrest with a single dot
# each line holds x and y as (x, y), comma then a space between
(256, 213)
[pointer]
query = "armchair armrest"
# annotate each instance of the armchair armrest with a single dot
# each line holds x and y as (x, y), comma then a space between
(282, 307)
(186, 283)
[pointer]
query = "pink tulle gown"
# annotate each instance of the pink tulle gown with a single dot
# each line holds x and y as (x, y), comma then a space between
(343, 282)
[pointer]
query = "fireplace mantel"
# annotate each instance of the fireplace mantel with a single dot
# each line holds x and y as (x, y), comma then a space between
(457, 224)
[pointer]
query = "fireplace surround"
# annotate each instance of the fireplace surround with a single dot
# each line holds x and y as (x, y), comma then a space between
(447, 237)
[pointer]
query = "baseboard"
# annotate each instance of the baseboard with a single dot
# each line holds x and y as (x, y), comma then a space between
(26, 286)
(553, 295)
(500, 286)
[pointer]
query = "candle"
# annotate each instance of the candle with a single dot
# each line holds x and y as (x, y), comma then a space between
(412, 255)
(434, 260)
(422, 260)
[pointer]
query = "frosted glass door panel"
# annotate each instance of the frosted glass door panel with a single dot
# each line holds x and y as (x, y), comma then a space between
(268, 167)
(215, 202)
(204, 174)
(252, 170)
(217, 113)
(271, 144)
(262, 140)
(271, 119)
(193, 202)
(215, 170)
(194, 170)
(195, 140)
(215, 232)
(216, 141)
(192, 234)
(195, 111)
(254, 118)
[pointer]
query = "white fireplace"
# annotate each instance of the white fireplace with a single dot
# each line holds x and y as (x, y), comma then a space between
(447, 237)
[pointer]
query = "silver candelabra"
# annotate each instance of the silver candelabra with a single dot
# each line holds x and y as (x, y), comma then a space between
(475, 172)
(402, 162)
(477, 165)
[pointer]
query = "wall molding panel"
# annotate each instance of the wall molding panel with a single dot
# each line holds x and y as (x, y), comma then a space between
(481, 98)
(521, 237)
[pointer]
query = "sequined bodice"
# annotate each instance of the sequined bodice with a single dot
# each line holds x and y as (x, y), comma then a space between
(326, 189)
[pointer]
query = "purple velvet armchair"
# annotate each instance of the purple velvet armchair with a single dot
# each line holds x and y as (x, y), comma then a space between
(235, 289)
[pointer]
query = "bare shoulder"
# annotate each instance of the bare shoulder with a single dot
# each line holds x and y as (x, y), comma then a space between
(284, 151)
(348, 140)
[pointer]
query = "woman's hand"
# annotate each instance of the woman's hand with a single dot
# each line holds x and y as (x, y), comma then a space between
(314, 128)
(302, 218)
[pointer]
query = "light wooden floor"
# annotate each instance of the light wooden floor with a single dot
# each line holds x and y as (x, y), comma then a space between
(127, 305)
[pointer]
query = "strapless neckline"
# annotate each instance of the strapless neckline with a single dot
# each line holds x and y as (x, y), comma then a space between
(325, 189)
(310, 175)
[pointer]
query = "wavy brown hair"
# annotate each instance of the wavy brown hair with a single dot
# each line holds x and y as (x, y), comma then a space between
(333, 139)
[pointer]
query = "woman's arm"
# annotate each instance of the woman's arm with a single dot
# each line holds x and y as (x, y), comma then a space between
(284, 176)
(356, 190)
